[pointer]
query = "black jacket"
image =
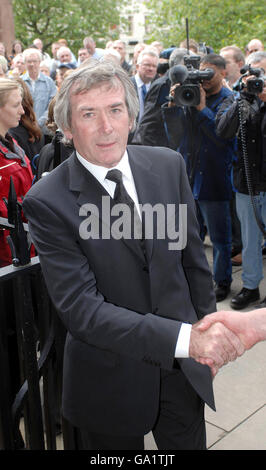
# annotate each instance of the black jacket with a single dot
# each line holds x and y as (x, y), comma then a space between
(52, 155)
(123, 312)
(228, 125)
(151, 129)
(31, 149)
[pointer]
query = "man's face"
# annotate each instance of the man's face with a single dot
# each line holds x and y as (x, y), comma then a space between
(83, 54)
(213, 85)
(120, 47)
(33, 64)
(100, 124)
(260, 65)
(45, 70)
(254, 46)
(55, 47)
(232, 67)
(147, 69)
(20, 65)
(65, 57)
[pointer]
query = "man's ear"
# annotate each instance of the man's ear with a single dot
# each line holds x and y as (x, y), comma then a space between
(224, 73)
(131, 125)
(68, 134)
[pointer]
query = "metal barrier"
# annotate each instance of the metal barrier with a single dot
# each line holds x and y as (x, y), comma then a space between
(31, 355)
(31, 347)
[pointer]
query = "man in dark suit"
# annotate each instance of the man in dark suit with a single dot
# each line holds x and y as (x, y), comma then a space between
(146, 71)
(127, 302)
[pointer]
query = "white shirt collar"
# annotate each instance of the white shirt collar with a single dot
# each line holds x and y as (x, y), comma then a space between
(100, 172)
(139, 82)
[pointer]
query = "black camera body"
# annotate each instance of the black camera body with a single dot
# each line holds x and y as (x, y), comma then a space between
(189, 76)
(254, 86)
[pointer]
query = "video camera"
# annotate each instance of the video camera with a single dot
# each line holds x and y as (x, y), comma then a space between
(254, 86)
(189, 76)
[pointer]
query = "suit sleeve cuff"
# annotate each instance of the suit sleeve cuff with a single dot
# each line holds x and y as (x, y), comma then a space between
(182, 345)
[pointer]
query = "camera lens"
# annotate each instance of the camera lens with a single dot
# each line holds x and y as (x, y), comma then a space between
(188, 96)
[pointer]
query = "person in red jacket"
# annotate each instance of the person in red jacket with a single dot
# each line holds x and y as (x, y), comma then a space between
(13, 161)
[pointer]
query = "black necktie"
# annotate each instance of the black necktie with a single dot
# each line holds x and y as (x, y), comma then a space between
(121, 196)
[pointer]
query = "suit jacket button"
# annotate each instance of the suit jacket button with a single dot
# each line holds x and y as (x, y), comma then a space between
(145, 269)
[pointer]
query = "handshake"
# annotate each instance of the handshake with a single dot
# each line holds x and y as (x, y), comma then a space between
(223, 336)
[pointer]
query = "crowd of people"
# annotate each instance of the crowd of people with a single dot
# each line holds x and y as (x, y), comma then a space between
(159, 123)
(135, 142)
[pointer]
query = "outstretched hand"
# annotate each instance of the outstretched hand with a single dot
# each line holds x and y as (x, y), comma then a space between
(245, 325)
(213, 344)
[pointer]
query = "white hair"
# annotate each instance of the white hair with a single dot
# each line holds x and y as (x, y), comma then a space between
(63, 49)
(255, 57)
(17, 58)
(45, 63)
(31, 51)
(147, 51)
(112, 52)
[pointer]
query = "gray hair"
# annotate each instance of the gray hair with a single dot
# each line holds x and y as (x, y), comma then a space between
(177, 56)
(63, 49)
(147, 51)
(30, 51)
(18, 57)
(86, 77)
(256, 57)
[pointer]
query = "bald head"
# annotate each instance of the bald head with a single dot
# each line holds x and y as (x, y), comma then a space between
(254, 45)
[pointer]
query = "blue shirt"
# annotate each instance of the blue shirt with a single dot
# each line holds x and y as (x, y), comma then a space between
(42, 92)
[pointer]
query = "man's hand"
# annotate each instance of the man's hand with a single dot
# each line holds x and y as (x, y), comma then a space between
(214, 345)
(250, 327)
(202, 103)
(226, 84)
(172, 94)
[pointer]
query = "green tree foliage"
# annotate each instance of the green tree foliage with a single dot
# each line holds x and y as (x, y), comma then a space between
(50, 20)
(216, 22)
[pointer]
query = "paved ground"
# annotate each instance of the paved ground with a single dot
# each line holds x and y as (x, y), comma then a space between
(240, 393)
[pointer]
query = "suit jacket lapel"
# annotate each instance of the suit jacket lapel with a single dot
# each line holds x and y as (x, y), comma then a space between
(146, 181)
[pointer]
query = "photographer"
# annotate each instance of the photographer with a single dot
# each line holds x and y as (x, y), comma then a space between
(191, 130)
(151, 130)
(251, 100)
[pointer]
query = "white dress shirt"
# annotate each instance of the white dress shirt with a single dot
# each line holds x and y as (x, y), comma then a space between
(100, 172)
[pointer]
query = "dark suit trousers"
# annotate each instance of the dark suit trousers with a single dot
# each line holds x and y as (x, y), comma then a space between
(180, 423)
